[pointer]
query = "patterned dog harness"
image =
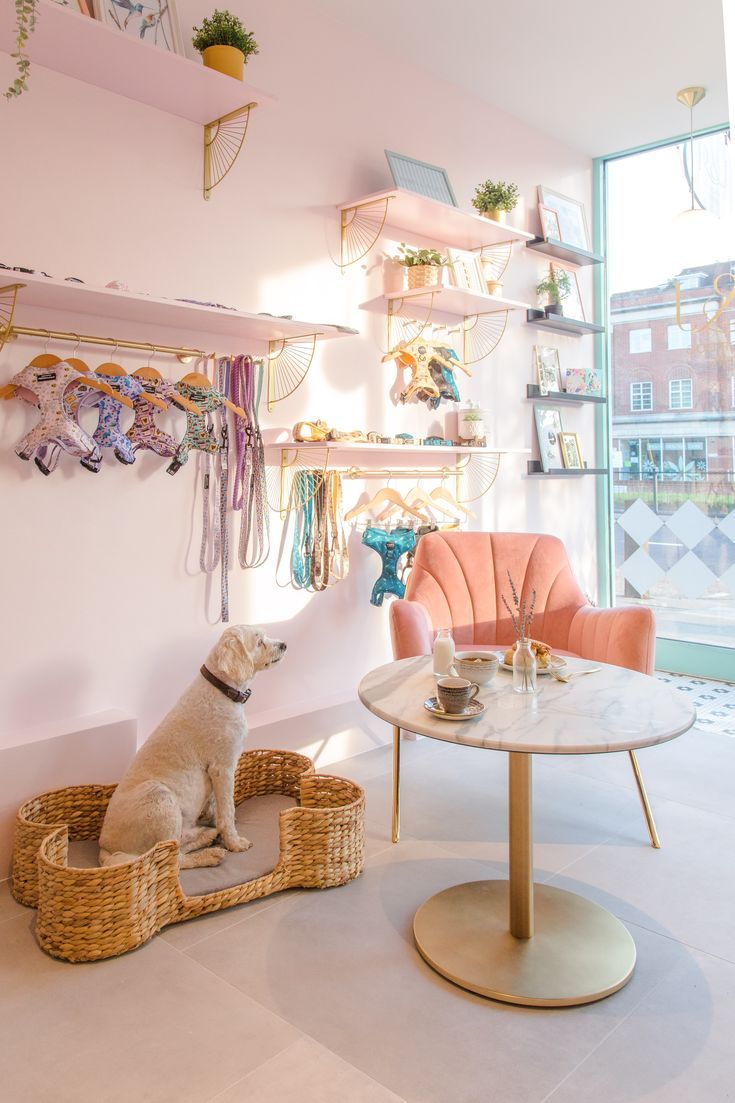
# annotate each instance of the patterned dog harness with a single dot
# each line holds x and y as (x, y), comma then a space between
(108, 433)
(390, 546)
(144, 433)
(200, 434)
(56, 391)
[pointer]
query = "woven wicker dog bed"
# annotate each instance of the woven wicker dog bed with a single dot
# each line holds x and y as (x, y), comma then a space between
(89, 913)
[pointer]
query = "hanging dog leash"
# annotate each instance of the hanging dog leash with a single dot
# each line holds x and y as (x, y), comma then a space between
(213, 465)
(249, 485)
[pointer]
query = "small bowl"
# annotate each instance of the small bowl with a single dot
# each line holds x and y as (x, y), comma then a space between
(478, 666)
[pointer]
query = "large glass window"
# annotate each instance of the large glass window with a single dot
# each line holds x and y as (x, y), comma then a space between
(673, 434)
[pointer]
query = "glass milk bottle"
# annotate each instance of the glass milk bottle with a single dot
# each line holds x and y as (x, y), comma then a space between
(443, 652)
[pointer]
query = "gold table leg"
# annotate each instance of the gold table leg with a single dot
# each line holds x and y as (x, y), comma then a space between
(396, 816)
(655, 841)
(521, 942)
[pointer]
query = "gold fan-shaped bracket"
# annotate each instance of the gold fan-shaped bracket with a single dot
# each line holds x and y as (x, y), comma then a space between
(296, 479)
(403, 325)
(495, 259)
(476, 474)
(289, 359)
(8, 296)
(223, 140)
(481, 334)
(360, 228)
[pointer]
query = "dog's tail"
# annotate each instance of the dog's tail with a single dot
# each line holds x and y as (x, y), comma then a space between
(117, 858)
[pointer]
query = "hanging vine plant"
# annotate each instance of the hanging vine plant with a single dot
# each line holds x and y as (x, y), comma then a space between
(25, 22)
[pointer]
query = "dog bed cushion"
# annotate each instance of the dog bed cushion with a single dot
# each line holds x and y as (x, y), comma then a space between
(257, 820)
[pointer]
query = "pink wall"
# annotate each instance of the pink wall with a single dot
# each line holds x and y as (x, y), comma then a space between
(103, 605)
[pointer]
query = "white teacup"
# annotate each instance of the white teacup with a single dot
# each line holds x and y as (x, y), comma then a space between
(455, 694)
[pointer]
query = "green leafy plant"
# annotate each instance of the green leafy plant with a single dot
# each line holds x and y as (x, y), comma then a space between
(412, 257)
(495, 196)
(556, 286)
(224, 29)
(25, 22)
(471, 415)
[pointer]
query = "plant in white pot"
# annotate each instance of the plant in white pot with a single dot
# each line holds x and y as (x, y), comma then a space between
(224, 43)
(494, 200)
(554, 288)
(424, 266)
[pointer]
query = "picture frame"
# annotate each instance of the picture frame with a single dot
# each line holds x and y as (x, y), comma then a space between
(548, 368)
(550, 226)
(82, 6)
(465, 270)
(156, 23)
(570, 451)
(421, 177)
(575, 381)
(571, 215)
(572, 305)
(548, 432)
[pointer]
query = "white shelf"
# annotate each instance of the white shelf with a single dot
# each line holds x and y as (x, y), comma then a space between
(395, 449)
(105, 302)
(87, 50)
(452, 300)
(415, 214)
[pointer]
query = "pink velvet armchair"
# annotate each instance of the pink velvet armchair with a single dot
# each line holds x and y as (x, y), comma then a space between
(457, 581)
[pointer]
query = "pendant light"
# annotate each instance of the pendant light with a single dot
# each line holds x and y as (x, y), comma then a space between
(695, 229)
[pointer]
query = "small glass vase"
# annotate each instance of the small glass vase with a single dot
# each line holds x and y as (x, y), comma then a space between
(524, 668)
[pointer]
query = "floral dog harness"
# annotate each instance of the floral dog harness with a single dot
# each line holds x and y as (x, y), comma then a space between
(390, 546)
(108, 433)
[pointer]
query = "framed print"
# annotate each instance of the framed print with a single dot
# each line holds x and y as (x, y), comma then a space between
(592, 382)
(420, 177)
(570, 450)
(155, 21)
(466, 270)
(548, 371)
(575, 381)
(548, 431)
(550, 228)
(572, 303)
(571, 216)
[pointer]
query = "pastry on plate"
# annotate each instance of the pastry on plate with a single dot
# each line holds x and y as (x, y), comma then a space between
(542, 651)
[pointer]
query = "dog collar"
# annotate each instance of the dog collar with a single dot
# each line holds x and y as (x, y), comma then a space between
(239, 696)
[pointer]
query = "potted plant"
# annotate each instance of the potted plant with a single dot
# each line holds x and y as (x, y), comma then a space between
(423, 266)
(494, 200)
(224, 43)
(555, 287)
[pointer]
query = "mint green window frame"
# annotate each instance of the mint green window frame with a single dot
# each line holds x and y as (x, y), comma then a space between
(696, 659)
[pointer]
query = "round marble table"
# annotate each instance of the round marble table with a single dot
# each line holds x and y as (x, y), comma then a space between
(513, 940)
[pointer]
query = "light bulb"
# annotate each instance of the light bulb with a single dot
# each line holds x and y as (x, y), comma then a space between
(696, 238)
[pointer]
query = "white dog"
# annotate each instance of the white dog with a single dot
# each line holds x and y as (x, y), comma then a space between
(184, 773)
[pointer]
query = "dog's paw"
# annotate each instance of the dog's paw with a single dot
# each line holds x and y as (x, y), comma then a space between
(237, 843)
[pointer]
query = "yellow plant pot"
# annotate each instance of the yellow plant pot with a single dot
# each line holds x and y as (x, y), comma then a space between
(495, 215)
(225, 59)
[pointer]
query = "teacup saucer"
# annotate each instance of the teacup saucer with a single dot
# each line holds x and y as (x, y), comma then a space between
(475, 708)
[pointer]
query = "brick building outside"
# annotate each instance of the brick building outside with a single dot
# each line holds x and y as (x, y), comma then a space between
(674, 381)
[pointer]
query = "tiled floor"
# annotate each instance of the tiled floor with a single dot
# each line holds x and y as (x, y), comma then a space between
(321, 997)
(714, 701)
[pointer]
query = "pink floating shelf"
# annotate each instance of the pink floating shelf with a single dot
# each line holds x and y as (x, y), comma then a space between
(394, 449)
(439, 222)
(87, 50)
(105, 302)
(452, 300)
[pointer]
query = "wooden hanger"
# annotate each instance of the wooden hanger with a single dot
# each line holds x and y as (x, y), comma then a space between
(196, 379)
(386, 494)
(153, 375)
(439, 494)
(418, 496)
(117, 371)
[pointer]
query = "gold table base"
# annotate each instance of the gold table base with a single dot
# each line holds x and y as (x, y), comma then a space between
(578, 953)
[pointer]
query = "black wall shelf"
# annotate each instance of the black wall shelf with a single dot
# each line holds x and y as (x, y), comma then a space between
(534, 468)
(560, 324)
(534, 391)
(569, 253)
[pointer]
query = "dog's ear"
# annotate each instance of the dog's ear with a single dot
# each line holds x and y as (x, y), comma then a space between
(232, 655)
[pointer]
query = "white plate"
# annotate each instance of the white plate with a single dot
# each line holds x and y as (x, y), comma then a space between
(556, 660)
(475, 708)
